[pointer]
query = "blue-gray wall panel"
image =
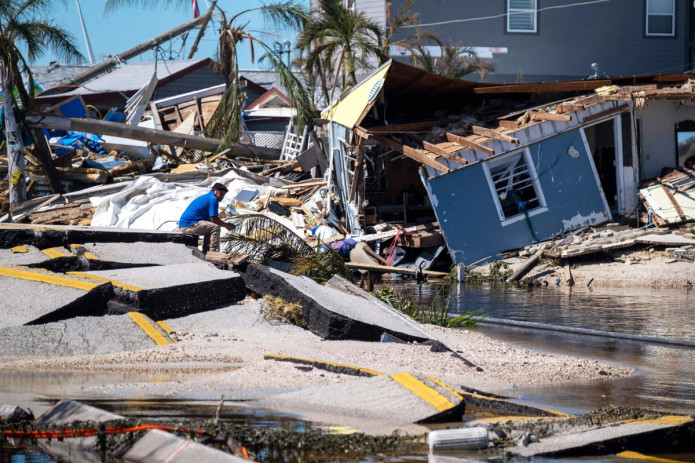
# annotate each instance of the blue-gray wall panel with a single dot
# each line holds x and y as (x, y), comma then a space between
(567, 41)
(468, 217)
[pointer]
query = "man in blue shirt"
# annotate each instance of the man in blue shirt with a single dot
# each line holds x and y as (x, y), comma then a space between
(201, 218)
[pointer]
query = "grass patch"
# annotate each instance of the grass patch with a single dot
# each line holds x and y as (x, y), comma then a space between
(436, 313)
(276, 309)
(321, 266)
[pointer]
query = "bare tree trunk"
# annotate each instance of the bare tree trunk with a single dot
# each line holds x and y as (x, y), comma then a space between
(13, 137)
(44, 154)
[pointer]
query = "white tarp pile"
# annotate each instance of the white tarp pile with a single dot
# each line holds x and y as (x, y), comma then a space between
(150, 204)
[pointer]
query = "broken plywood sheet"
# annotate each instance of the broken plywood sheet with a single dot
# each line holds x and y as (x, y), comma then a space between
(671, 201)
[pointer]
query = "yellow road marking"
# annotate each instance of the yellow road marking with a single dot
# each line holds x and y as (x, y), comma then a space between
(167, 329)
(86, 254)
(429, 395)
(639, 456)
(436, 381)
(148, 328)
(118, 284)
(666, 419)
(45, 277)
(340, 365)
(20, 249)
(55, 253)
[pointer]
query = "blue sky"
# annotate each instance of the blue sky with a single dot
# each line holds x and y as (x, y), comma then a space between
(129, 26)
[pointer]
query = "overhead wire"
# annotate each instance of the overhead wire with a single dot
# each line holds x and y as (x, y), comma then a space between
(503, 15)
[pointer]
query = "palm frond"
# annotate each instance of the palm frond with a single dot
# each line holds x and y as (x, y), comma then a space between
(295, 90)
(113, 5)
(264, 239)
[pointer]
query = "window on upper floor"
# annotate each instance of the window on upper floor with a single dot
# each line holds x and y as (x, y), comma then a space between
(661, 17)
(522, 15)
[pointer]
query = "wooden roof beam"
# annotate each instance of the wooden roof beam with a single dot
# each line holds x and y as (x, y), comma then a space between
(436, 150)
(422, 157)
(469, 144)
(484, 132)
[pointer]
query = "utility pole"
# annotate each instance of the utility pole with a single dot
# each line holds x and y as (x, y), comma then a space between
(84, 32)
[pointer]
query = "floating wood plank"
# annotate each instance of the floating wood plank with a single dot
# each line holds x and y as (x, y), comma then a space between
(546, 116)
(469, 144)
(442, 152)
(609, 112)
(482, 131)
(423, 158)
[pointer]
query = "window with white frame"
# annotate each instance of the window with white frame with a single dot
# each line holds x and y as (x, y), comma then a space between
(514, 185)
(661, 17)
(521, 15)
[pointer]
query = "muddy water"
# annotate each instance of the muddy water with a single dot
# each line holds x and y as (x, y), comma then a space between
(666, 375)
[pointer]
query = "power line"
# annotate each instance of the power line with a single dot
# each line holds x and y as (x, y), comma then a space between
(557, 7)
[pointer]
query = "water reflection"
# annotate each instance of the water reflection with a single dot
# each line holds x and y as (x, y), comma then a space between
(666, 374)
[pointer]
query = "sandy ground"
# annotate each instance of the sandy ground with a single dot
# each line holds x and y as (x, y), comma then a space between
(628, 268)
(222, 351)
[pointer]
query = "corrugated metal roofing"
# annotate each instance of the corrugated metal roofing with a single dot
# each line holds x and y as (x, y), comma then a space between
(134, 76)
(48, 76)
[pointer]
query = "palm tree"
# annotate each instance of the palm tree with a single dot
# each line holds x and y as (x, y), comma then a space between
(404, 19)
(225, 122)
(23, 30)
(456, 61)
(340, 39)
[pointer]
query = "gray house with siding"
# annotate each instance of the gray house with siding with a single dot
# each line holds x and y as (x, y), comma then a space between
(544, 40)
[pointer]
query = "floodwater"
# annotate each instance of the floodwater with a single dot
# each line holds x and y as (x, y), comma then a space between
(665, 378)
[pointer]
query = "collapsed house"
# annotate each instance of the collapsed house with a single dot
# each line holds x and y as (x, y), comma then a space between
(503, 166)
(423, 162)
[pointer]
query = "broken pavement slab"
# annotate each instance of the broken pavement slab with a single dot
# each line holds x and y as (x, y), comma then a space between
(31, 296)
(68, 411)
(378, 404)
(642, 435)
(81, 336)
(330, 313)
(141, 252)
(46, 236)
(169, 291)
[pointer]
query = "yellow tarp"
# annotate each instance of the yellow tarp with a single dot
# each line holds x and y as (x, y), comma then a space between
(347, 111)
